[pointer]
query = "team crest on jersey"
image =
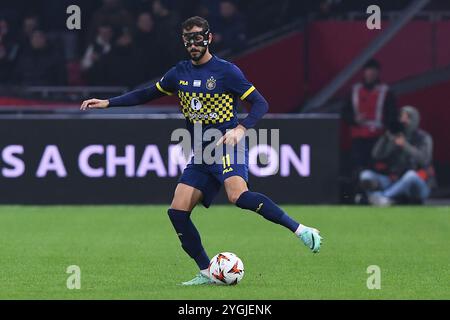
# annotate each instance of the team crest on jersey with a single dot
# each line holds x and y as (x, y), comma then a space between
(211, 83)
(196, 104)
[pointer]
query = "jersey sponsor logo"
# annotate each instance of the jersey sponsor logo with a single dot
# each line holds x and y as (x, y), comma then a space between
(197, 83)
(211, 83)
(203, 116)
(184, 82)
(198, 116)
(214, 107)
(196, 104)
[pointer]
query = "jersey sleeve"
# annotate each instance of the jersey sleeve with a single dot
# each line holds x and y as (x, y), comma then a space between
(168, 82)
(237, 83)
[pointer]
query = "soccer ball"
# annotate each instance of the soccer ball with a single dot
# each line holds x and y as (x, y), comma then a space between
(226, 268)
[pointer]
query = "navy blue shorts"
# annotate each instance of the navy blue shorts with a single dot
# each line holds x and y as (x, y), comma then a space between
(209, 178)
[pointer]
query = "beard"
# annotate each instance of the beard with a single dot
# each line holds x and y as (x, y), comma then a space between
(196, 58)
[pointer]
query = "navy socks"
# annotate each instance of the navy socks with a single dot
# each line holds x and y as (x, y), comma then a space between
(189, 237)
(257, 202)
(262, 205)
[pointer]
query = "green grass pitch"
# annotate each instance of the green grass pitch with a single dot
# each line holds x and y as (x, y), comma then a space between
(132, 252)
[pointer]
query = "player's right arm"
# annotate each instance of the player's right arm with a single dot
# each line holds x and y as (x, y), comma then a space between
(165, 86)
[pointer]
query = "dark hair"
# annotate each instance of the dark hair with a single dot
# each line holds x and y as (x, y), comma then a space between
(195, 22)
(372, 64)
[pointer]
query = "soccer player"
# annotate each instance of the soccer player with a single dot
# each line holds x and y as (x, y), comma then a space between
(209, 89)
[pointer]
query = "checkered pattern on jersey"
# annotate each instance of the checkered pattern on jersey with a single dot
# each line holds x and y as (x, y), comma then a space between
(212, 107)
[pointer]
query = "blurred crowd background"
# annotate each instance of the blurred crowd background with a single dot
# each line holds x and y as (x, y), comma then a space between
(130, 42)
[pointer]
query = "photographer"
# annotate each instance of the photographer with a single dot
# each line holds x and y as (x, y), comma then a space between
(403, 156)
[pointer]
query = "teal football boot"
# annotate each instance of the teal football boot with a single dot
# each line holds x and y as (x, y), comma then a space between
(311, 238)
(199, 279)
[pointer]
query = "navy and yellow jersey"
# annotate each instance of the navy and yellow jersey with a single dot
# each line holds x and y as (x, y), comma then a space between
(209, 93)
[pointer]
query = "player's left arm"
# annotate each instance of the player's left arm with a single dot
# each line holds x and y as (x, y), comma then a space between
(238, 84)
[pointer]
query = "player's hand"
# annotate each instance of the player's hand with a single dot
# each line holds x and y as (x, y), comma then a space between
(94, 104)
(233, 136)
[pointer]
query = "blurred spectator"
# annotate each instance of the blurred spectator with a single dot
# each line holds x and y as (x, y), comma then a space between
(205, 11)
(54, 16)
(122, 66)
(8, 51)
(404, 170)
(146, 34)
(210, 10)
(39, 64)
(54, 22)
(149, 42)
(167, 25)
(96, 51)
(30, 24)
(370, 109)
(163, 16)
(158, 33)
(114, 14)
(230, 32)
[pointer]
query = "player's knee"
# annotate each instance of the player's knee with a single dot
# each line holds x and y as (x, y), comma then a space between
(172, 210)
(234, 187)
(234, 196)
(181, 205)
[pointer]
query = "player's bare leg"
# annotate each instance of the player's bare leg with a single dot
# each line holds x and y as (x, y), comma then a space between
(238, 194)
(184, 201)
(185, 197)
